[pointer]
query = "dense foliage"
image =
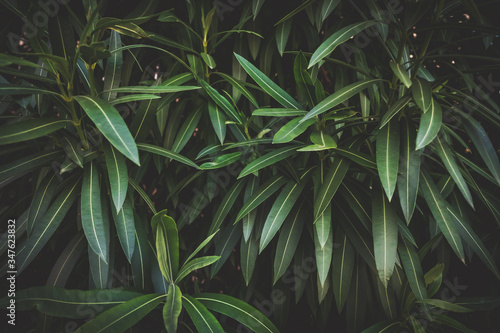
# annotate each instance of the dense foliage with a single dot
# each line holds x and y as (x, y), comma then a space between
(254, 165)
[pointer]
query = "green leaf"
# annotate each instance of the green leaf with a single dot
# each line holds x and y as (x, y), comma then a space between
(268, 159)
(342, 268)
(384, 326)
(291, 130)
(256, 6)
(226, 204)
(167, 244)
(113, 71)
(446, 155)
(282, 33)
(166, 153)
(11, 89)
(203, 320)
(303, 79)
(450, 322)
(261, 194)
(186, 131)
(401, 74)
(96, 231)
(394, 110)
(111, 124)
(338, 97)
(327, 8)
(288, 240)
(208, 59)
(249, 250)
(470, 237)
(30, 129)
(409, 171)
(280, 210)
(122, 316)
(336, 39)
(133, 98)
(218, 121)
(430, 124)
(224, 246)
(437, 205)
(277, 112)
(41, 199)
(413, 269)
(417, 326)
(143, 194)
(194, 264)
(445, 305)
(118, 175)
(388, 157)
(221, 161)
(322, 225)
(331, 183)
(125, 227)
(239, 311)
(357, 157)
(323, 255)
(172, 308)
(73, 150)
(422, 94)
(64, 303)
(268, 85)
(483, 145)
(44, 230)
(31, 162)
(239, 86)
(385, 236)
(161, 89)
(124, 27)
(222, 102)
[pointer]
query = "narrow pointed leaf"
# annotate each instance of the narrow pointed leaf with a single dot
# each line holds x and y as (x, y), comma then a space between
(394, 110)
(186, 131)
(42, 232)
(225, 245)
(160, 89)
(385, 236)
(249, 251)
(172, 308)
(322, 225)
(277, 112)
(422, 94)
(268, 85)
(113, 71)
(409, 171)
(401, 73)
(342, 268)
(222, 161)
(30, 129)
(323, 256)
(413, 269)
(118, 175)
(125, 227)
(203, 320)
(209, 60)
(291, 130)
(336, 39)
(331, 183)
(41, 200)
(221, 101)
(195, 264)
(111, 124)
(239, 311)
(226, 204)
(122, 316)
(268, 159)
(338, 97)
(437, 205)
(167, 244)
(282, 33)
(279, 211)
(166, 153)
(92, 219)
(449, 162)
(218, 121)
(430, 124)
(388, 156)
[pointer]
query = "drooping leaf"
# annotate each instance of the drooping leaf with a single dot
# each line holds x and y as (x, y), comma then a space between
(342, 268)
(401, 73)
(388, 157)
(238, 310)
(125, 227)
(96, 231)
(203, 320)
(413, 269)
(385, 236)
(218, 121)
(123, 316)
(267, 160)
(221, 101)
(291, 130)
(118, 175)
(422, 94)
(30, 129)
(430, 124)
(331, 183)
(111, 125)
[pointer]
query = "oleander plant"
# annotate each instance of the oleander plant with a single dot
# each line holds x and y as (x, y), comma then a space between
(250, 166)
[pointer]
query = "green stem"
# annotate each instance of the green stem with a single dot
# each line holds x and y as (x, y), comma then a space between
(90, 71)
